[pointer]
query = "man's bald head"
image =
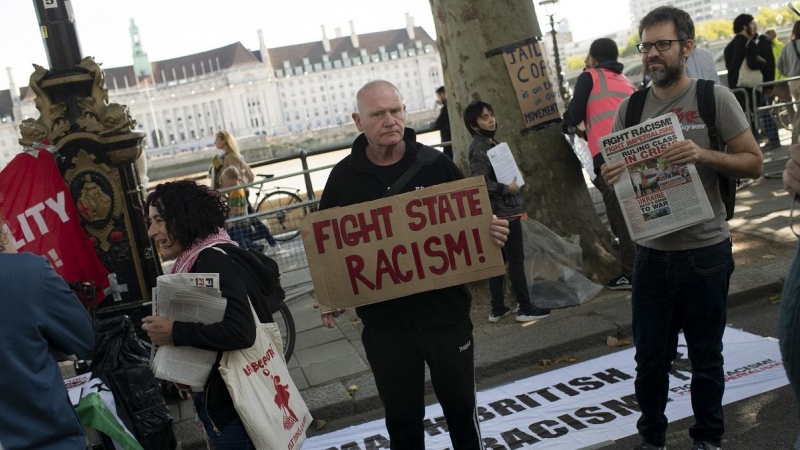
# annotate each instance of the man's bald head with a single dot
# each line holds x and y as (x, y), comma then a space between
(371, 87)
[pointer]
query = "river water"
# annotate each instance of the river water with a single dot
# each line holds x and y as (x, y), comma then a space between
(318, 178)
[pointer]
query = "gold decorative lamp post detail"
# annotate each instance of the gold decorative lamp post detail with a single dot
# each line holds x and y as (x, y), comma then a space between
(98, 146)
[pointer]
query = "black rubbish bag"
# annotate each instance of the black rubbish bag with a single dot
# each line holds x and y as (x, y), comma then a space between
(122, 361)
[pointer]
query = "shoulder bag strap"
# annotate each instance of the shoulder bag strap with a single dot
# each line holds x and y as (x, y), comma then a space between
(425, 156)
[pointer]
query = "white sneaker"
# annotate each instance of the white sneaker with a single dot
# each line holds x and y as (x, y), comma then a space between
(273, 250)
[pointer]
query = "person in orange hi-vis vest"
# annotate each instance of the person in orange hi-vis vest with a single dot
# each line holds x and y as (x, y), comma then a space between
(598, 92)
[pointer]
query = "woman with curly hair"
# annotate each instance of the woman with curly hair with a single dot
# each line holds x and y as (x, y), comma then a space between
(186, 220)
(40, 313)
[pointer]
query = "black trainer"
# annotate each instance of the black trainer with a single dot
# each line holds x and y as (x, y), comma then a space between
(532, 315)
(621, 283)
(495, 316)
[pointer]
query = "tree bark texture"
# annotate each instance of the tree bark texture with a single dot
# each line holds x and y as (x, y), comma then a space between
(555, 190)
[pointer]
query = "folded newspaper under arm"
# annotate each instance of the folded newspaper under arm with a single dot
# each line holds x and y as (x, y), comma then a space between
(187, 297)
(657, 198)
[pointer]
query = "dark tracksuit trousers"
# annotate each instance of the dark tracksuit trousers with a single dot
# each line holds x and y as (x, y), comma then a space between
(398, 356)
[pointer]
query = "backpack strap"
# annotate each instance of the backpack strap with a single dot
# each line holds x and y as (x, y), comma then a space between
(633, 115)
(707, 108)
(425, 156)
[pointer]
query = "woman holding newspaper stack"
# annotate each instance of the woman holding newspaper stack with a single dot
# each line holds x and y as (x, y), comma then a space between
(507, 203)
(187, 222)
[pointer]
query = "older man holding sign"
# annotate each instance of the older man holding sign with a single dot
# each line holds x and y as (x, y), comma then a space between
(432, 239)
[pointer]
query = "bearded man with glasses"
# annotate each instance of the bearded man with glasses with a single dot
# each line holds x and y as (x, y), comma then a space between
(681, 280)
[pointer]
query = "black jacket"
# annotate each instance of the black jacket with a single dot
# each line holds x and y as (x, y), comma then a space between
(443, 125)
(735, 53)
(504, 203)
(764, 47)
(239, 277)
(356, 180)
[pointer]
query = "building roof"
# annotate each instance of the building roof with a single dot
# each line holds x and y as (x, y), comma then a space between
(371, 42)
(183, 67)
(236, 54)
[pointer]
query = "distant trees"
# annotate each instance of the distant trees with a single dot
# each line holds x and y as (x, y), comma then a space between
(717, 29)
(575, 62)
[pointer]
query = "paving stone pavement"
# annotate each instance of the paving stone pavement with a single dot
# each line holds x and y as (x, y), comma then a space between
(327, 362)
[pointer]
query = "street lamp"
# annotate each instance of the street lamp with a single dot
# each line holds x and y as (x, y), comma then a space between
(562, 85)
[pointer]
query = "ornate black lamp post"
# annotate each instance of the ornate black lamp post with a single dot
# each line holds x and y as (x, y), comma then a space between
(97, 146)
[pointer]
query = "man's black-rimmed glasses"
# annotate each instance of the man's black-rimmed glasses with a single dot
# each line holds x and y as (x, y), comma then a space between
(661, 46)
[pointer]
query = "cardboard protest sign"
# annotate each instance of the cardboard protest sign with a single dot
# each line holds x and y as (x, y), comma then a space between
(428, 239)
(534, 82)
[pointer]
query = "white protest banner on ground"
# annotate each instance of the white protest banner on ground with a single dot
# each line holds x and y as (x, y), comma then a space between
(583, 404)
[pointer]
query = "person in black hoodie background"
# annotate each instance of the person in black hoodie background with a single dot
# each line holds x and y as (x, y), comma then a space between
(186, 220)
(742, 47)
(401, 335)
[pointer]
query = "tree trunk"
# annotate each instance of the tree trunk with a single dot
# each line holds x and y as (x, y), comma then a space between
(555, 191)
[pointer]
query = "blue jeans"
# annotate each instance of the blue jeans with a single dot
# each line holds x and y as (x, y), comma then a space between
(672, 291)
(789, 325)
(261, 231)
(232, 437)
(241, 233)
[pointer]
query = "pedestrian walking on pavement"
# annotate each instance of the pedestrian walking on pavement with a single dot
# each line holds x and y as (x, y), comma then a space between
(681, 280)
(401, 335)
(508, 202)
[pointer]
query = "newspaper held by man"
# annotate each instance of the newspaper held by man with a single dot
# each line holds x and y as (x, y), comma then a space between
(186, 297)
(656, 197)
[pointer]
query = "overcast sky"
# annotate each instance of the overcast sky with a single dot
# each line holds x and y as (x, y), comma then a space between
(172, 28)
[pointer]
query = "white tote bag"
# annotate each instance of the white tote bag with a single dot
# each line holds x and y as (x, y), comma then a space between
(748, 77)
(263, 393)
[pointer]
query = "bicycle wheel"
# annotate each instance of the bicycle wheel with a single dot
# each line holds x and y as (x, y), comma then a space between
(783, 119)
(284, 224)
(283, 317)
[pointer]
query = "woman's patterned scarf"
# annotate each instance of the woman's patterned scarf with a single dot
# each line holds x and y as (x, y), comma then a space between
(187, 259)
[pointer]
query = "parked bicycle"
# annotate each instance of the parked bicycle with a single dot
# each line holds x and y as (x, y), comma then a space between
(289, 209)
(283, 317)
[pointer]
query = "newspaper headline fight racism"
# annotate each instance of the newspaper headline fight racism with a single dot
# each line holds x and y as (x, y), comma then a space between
(655, 196)
(388, 248)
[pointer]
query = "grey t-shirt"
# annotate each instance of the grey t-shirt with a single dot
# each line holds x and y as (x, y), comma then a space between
(731, 122)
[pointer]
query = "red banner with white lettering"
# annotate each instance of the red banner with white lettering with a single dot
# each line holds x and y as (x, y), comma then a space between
(41, 218)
